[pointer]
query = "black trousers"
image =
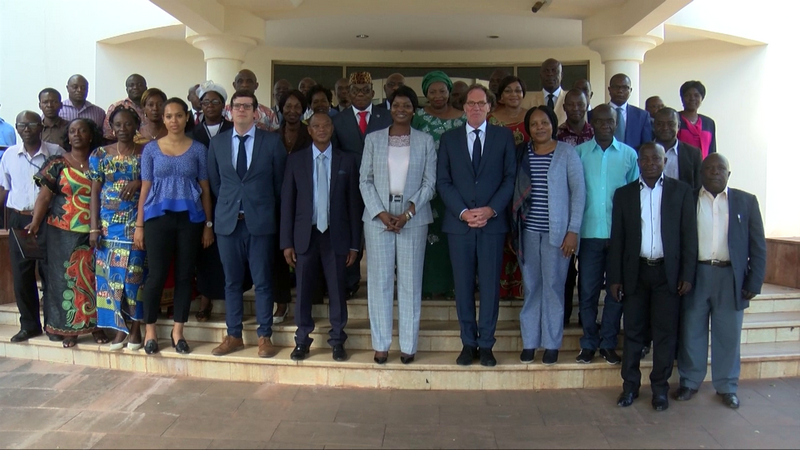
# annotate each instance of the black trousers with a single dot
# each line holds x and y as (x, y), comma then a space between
(320, 259)
(569, 289)
(166, 237)
(651, 306)
(23, 272)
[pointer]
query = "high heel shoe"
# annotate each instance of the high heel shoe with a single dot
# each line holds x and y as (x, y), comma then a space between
(151, 347)
(134, 347)
(381, 357)
(181, 347)
(406, 359)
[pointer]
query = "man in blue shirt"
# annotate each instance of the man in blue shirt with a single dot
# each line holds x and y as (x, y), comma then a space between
(7, 135)
(607, 165)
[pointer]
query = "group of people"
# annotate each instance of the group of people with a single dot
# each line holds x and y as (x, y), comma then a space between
(488, 189)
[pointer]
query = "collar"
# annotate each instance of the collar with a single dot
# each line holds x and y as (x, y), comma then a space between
(317, 151)
(614, 107)
(674, 147)
(659, 182)
(704, 192)
(251, 132)
(44, 150)
(565, 127)
(556, 93)
(481, 127)
(68, 102)
(614, 144)
(368, 109)
(58, 121)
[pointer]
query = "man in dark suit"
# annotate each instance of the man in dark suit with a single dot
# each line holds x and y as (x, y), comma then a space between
(683, 160)
(245, 170)
(475, 177)
(651, 263)
(350, 127)
(321, 211)
(732, 260)
(633, 124)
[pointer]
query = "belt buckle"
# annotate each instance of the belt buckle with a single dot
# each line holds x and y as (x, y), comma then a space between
(395, 198)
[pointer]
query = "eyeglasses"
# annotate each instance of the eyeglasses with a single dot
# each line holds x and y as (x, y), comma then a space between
(244, 106)
(23, 125)
(472, 104)
(212, 102)
(355, 90)
(622, 88)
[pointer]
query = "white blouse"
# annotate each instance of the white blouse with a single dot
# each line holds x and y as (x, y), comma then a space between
(399, 156)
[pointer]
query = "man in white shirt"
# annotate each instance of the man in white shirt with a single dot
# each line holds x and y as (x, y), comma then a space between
(551, 94)
(17, 167)
(651, 263)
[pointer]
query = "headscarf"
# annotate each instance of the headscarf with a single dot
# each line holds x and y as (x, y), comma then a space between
(433, 77)
(210, 86)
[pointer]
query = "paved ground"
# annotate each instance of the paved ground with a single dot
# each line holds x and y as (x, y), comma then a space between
(45, 405)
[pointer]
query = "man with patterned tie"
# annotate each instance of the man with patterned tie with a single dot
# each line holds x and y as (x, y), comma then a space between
(245, 170)
(321, 212)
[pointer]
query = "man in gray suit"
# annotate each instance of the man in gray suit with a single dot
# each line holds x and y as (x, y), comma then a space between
(732, 261)
(245, 170)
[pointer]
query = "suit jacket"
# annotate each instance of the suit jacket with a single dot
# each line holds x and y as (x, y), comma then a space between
(638, 129)
(297, 202)
(258, 194)
(346, 134)
(461, 188)
(537, 98)
(200, 134)
(689, 161)
(746, 244)
(678, 235)
(420, 179)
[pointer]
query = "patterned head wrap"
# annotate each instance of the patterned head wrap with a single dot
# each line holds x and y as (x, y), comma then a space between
(433, 77)
(360, 78)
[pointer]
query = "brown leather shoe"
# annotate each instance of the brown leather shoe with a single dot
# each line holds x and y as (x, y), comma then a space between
(265, 347)
(229, 344)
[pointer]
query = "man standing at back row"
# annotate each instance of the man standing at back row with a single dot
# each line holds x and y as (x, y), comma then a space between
(551, 94)
(76, 106)
(475, 177)
(135, 85)
(633, 124)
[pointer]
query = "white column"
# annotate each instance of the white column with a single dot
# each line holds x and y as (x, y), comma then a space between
(224, 54)
(624, 54)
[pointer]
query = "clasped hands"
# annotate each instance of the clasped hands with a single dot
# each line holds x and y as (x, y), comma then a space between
(477, 217)
(393, 223)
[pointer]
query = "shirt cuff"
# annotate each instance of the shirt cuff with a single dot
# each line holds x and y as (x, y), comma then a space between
(462, 213)
(495, 213)
(354, 250)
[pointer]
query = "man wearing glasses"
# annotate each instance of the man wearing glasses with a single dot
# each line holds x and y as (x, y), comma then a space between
(17, 167)
(633, 124)
(475, 177)
(350, 128)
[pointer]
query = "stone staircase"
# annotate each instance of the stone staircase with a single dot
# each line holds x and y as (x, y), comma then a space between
(770, 348)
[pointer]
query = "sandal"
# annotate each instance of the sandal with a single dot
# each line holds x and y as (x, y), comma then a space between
(100, 337)
(204, 314)
(69, 341)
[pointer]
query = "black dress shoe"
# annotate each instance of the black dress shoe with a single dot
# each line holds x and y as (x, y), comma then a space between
(684, 393)
(300, 352)
(610, 356)
(550, 357)
(381, 357)
(151, 346)
(339, 353)
(645, 351)
(730, 400)
(527, 355)
(405, 358)
(468, 354)
(626, 398)
(660, 402)
(181, 347)
(487, 357)
(24, 335)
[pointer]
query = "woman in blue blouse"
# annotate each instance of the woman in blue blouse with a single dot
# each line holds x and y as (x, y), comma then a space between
(174, 214)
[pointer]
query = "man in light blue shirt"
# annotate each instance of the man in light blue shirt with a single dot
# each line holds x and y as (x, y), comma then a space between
(607, 165)
(7, 135)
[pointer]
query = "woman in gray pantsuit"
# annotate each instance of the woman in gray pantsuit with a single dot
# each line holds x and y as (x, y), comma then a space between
(398, 179)
(547, 212)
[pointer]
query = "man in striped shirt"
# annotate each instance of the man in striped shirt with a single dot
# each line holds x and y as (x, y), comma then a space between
(76, 106)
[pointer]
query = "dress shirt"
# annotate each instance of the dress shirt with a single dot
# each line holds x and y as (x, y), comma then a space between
(17, 169)
(624, 111)
(55, 133)
(471, 138)
(368, 110)
(712, 226)
(248, 146)
(329, 154)
(650, 204)
(604, 172)
(671, 167)
(89, 111)
(555, 94)
(7, 135)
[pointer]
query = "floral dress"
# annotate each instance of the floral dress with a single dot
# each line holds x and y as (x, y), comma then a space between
(69, 301)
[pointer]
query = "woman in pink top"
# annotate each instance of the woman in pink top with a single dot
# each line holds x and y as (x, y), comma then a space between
(696, 129)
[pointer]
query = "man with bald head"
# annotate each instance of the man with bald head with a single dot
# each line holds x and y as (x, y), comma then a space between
(76, 106)
(246, 81)
(651, 264)
(633, 124)
(393, 82)
(17, 167)
(135, 85)
(306, 84)
(457, 95)
(551, 94)
(732, 260)
(342, 94)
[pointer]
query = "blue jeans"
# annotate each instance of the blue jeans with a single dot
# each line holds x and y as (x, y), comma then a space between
(236, 251)
(591, 272)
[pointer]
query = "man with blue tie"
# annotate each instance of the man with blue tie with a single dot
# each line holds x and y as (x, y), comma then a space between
(321, 227)
(633, 124)
(476, 171)
(245, 170)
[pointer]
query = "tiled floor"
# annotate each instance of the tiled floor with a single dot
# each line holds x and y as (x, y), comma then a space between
(48, 405)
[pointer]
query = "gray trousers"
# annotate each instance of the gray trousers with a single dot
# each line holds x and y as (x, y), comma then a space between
(544, 272)
(712, 296)
(385, 252)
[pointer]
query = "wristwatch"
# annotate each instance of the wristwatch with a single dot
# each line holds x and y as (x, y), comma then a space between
(209, 224)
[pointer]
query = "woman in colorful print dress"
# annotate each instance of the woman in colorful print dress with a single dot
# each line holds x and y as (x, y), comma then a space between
(510, 114)
(435, 119)
(69, 300)
(120, 269)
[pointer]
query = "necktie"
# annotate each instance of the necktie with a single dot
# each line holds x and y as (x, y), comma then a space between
(550, 103)
(476, 151)
(241, 158)
(322, 194)
(619, 133)
(197, 117)
(362, 121)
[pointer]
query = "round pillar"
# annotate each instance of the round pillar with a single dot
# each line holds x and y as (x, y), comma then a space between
(624, 54)
(224, 54)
